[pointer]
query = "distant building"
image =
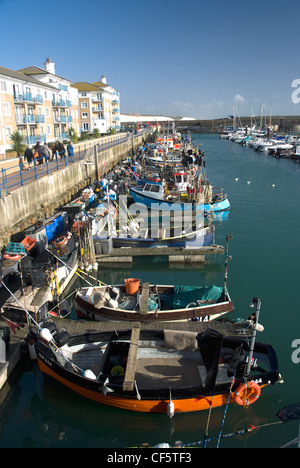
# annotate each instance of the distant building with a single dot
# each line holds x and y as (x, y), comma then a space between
(99, 106)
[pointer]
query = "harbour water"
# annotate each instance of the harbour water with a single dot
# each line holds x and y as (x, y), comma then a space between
(264, 221)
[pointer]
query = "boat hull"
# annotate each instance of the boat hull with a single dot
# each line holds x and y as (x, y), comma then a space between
(159, 204)
(183, 405)
(86, 308)
(155, 379)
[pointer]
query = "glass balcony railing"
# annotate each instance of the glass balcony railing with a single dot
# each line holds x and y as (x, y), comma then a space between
(28, 97)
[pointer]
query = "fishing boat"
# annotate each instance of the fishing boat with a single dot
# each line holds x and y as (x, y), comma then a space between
(144, 238)
(157, 371)
(133, 301)
(40, 280)
(156, 196)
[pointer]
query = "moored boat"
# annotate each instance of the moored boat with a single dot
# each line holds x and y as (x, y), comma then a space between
(154, 196)
(157, 371)
(152, 303)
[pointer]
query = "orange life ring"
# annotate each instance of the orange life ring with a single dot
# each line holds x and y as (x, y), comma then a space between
(12, 256)
(60, 241)
(246, 394)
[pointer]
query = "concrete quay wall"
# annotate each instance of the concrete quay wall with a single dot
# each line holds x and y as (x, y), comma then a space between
(41, 198)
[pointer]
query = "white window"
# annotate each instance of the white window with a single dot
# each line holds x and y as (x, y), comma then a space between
(47, 112)
(8, 132)
(84, 105)
(49, 130)
(6, 109)
(85, 126)
(2, 86)
(83, 94)
(84, 115)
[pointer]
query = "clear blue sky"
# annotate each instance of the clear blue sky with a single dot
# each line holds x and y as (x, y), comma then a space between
(194, 58)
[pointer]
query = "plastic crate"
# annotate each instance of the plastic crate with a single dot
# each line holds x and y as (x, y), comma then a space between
(14, 247)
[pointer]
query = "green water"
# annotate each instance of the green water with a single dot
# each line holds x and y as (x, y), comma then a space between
(265, 223)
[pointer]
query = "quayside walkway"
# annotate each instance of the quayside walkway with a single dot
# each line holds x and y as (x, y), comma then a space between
(13, 174)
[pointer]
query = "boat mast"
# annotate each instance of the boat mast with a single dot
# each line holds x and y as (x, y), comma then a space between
(255, 303)
(227, 257)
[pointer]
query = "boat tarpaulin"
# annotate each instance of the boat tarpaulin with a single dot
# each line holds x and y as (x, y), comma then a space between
(289, 412)
(210, 344)
(184, 295)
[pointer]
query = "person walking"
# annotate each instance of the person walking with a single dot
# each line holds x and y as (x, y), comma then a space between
(46, 151)
(61, 149)
(70, 151)
(28, 155)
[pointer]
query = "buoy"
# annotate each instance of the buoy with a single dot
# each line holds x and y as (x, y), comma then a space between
(88, 374)
(249, 182)
(236, 179)
(273, 185)
(171, 409)
(46, 335)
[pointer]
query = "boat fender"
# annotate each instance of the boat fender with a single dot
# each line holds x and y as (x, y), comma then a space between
(61, 338)
(170, 409)
(240, 395)
(88, 374)
(117, 370)
(112, 303)
(46, 334)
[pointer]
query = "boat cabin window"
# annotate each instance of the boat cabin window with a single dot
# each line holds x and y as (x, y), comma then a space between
(155, 188)
(147, 188)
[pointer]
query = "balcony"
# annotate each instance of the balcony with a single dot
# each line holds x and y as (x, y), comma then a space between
(34, 119)
(62, 87)
(61, 103)
(28, 97)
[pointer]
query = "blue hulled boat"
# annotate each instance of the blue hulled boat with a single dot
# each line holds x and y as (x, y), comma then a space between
(155, 196)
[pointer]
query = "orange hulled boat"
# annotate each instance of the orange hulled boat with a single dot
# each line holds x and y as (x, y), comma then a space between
(159, 371)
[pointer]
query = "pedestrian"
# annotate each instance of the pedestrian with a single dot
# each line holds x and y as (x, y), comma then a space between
(61, 149)
(29, 157)
(53, 150)
(46, 151)
(38, 155)
(42, 154)
(70, 150)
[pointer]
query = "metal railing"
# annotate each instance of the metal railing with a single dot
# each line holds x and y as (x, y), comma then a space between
(20, 173)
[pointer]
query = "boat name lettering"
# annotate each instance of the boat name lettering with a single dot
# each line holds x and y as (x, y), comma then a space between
(296, 353)
(257, 381)
(46, 361)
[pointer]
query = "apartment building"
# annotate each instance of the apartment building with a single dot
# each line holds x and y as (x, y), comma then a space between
(63, 110)
(43, 106)
(99, 106)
